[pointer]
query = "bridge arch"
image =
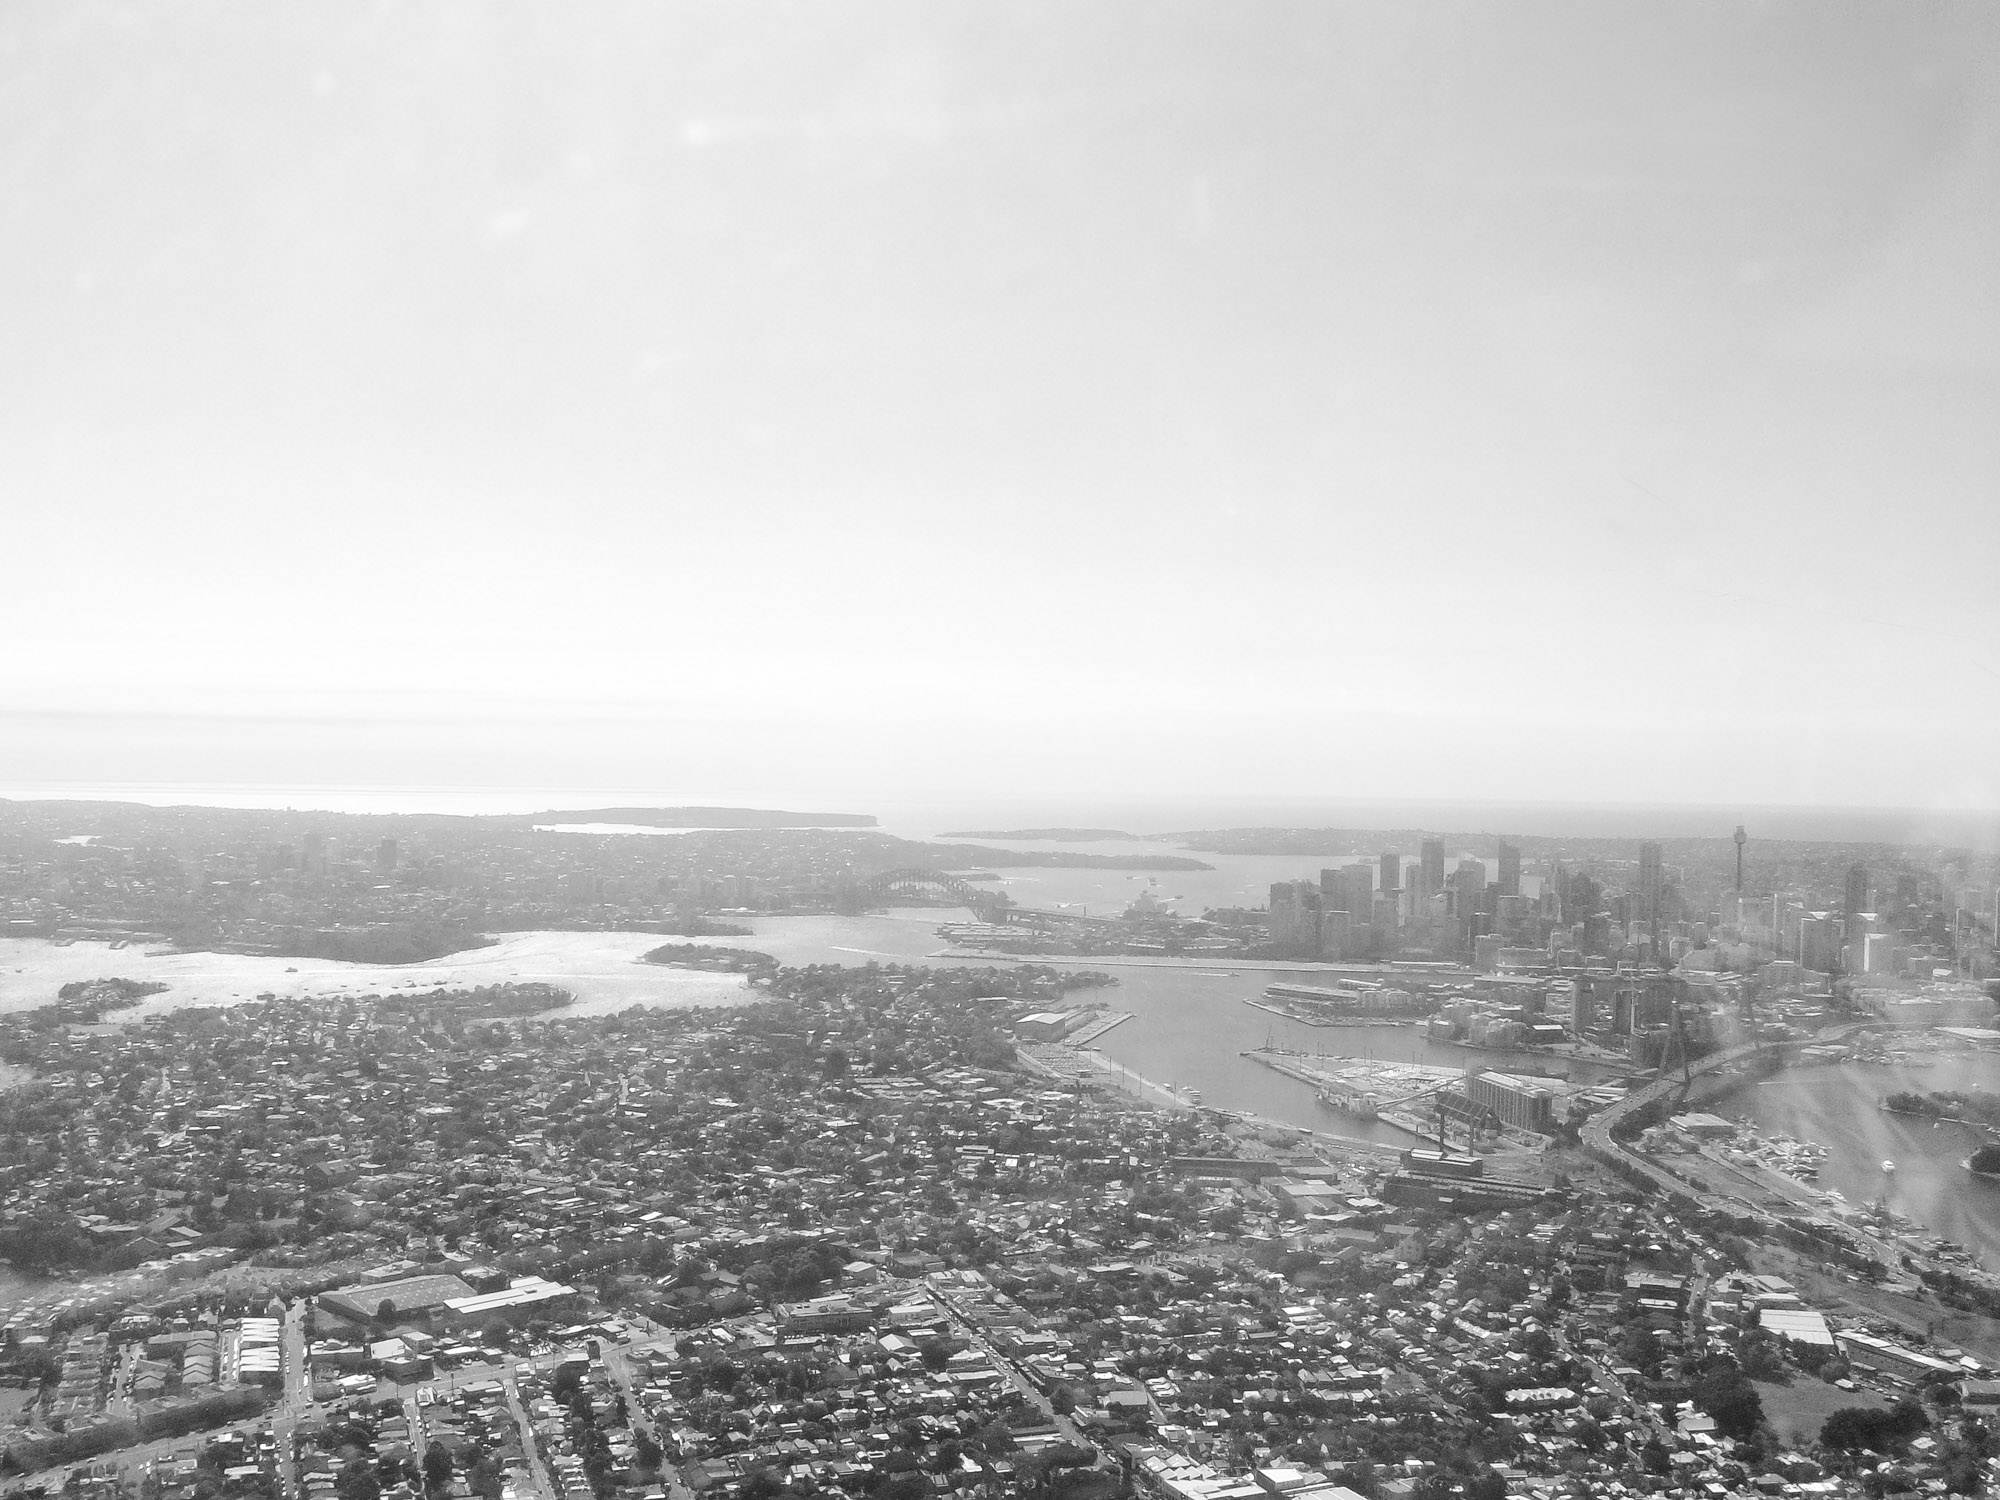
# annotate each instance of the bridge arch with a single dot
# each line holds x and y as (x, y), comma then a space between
(925, 887)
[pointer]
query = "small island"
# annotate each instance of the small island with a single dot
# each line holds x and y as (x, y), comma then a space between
(1977, 1107)
(712, 960)
(1985, 1162)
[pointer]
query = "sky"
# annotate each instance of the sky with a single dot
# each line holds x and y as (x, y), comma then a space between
(1544, 402)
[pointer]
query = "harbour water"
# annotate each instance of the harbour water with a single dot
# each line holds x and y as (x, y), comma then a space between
(1838, 1108)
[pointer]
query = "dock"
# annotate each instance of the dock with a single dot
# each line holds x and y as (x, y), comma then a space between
(1359, 1018)
(1098, 1028)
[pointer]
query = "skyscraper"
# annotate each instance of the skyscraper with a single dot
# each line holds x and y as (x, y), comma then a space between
(1650, 884)
(1468, 881)
(1392, 871)
(1857, 891)
(1295, 908)
(1510, 869)
(1360, 887)
(1433, 865)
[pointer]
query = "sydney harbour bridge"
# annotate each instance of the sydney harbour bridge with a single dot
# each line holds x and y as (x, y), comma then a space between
(916, 887)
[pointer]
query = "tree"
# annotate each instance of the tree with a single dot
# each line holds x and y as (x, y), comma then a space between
(485, 1478)
(1962, 1474)
(1866, 1427)
(647, 1454)
(437, 1466)
(357, 1481)
(1727, 1396)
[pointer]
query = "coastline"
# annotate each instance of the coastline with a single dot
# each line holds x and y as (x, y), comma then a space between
(600, 968)
(1233, 967)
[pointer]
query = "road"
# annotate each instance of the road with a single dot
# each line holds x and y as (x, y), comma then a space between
(617, 1360)
(296, 1405)
(538, 1470)
(976, 1335)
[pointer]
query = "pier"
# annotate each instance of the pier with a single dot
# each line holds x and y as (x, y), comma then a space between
(1098, 1028)
(1358, 1018)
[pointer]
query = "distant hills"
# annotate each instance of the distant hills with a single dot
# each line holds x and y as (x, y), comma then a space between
(703, 817)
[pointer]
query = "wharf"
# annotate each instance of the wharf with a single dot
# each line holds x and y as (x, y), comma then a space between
(1359, 1019)
(1288, 1069)
(1097, 1028)
(1356, 1074)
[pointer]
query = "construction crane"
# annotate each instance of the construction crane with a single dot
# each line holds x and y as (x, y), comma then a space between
(1434, 1089)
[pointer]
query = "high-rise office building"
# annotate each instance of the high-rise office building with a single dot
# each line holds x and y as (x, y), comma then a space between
(1295, 908)
(1468, 885)
(1392, 871)
(385, 856)
(1360, 888)
(1336, 935)
(1857, 891)
(1433, 866)
(1819, 944)
(1651, 882)
(1510, 869)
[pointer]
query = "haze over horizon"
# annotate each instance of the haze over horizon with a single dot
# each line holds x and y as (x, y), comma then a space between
(1512, 404)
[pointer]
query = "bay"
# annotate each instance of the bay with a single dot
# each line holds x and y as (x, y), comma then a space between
(1839, 1108)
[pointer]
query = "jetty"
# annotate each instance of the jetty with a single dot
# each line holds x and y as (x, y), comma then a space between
(1365, 1088)
(1308, 1018)
(1097, 1028)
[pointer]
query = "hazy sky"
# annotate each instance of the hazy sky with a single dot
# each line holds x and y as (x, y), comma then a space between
(1534, 400)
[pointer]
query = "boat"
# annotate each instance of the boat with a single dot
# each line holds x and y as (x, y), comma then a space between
(1888, 1166)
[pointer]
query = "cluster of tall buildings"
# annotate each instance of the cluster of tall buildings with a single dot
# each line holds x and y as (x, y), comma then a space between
(1371, 909)
(1485, 913)
(1871, 932)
